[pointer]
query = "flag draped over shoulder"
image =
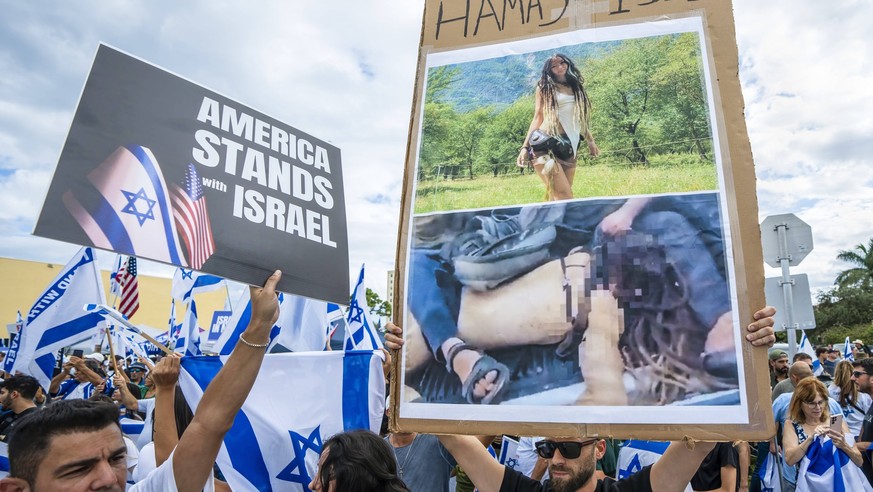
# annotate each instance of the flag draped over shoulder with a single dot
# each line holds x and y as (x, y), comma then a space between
(360, 334)
(827, 468)
(127, 208)
(299, 400)
(188, 282)
(57, 320)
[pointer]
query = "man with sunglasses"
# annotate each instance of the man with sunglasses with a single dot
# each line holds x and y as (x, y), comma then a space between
(861, 376)
(572, 462)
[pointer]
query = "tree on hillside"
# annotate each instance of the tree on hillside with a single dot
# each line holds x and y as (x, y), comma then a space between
(861, 275)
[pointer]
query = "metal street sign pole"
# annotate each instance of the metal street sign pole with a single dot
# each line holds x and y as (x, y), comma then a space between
(787, 284)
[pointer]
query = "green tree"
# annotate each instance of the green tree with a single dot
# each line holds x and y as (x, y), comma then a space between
(505, 133)
(439, 81)
(378, 307)
(437, 124)
(861, 275)
(465, 137)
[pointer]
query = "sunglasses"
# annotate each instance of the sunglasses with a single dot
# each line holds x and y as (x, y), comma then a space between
(570, 450)
(858, 374)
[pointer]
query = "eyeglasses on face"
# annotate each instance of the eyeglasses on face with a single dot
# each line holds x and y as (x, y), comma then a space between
(818, 403)
(569, 449)
(858, 374)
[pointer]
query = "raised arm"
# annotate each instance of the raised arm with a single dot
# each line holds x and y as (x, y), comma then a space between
(127, 398)
(56, 381)
(225, 395)
(480, 466)
(673, 471)
(165, 375)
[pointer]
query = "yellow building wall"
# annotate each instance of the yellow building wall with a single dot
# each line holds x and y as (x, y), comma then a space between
(22, 282)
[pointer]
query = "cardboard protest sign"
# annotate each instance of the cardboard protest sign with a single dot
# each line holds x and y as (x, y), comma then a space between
(159, 167)
(579, 250)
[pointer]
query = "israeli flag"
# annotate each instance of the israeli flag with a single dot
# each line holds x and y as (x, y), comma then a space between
(360, 334)
(56, 319)
(131, 428)
(634, 455)
(847, 350)
(127, 207)
(509, 453)
(806, 348)
(186, 283)
(827, 468)
(4, 460)
(114, 277)
(769, 474)
(299, 328)
(188, 341)
(298, 401)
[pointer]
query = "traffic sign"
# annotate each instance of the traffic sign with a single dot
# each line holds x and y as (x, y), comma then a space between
(804, 317)
(798, 238)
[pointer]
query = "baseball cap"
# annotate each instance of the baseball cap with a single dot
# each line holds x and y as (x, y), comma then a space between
(777, 354)
(96, 356)
(137, 365)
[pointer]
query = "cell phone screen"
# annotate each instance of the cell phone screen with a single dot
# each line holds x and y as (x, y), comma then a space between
(78, 353)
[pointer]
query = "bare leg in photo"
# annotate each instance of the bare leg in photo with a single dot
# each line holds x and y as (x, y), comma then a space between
(557, 178)
(599, 356)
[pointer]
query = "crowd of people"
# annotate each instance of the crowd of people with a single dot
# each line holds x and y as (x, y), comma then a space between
(68, 436)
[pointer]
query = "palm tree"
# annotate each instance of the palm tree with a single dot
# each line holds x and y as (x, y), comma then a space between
(862, 274)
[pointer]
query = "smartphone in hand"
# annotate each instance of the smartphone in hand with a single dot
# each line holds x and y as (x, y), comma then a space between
(837, 423)
(78, 353)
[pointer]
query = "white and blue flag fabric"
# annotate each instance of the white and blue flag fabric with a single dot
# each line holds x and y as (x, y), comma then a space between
(635, 455)
(299, 328)
(847, 350)
(4, 460)
(827, 468)
(807, 349)
(298, 402)
(56, 320)
(186, 283)
(360, 333)
(509, 452)
(769, 474)
(188, 339)
(127, 207)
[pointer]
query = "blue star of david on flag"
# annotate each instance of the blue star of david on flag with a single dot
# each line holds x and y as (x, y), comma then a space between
(187, 274)
(512, 463)
(359, 330)
(296, 470)
(632, 467)
(132, 208)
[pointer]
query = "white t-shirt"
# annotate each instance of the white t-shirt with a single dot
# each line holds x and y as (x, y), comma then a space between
(854, 417)
(147, 466)
(147, 406)
(161, 479)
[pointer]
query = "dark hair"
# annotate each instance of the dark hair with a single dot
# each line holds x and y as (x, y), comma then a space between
(25, 385)
(30, 442)
(360, 461)
(574, 80)
(866, 364)
(821, 350)
(801, 356)
(181, 411)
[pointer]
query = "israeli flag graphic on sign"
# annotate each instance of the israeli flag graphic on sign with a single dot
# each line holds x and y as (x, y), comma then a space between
(127, 207)
(298, 402)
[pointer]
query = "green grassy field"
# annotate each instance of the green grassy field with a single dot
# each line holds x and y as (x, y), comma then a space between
(601, 179)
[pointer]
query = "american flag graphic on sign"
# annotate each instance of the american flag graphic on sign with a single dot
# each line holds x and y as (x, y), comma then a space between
(129, 301)
(192, 219)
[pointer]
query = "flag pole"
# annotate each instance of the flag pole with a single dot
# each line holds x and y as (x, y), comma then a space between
(111, 351)
(107, 311)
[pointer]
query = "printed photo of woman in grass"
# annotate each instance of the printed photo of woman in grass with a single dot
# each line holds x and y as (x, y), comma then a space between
(646, 98)
(562, 114)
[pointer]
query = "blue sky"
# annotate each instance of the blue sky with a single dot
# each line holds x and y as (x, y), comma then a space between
(344, 71)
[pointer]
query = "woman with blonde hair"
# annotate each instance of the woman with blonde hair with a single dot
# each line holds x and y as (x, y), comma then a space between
(854, 403)
(562, 113)
(809, 421)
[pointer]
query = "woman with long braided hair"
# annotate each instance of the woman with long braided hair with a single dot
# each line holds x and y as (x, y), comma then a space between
(561, 114)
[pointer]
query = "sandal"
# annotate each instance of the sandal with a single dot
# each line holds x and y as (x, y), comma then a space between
(480, 369)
